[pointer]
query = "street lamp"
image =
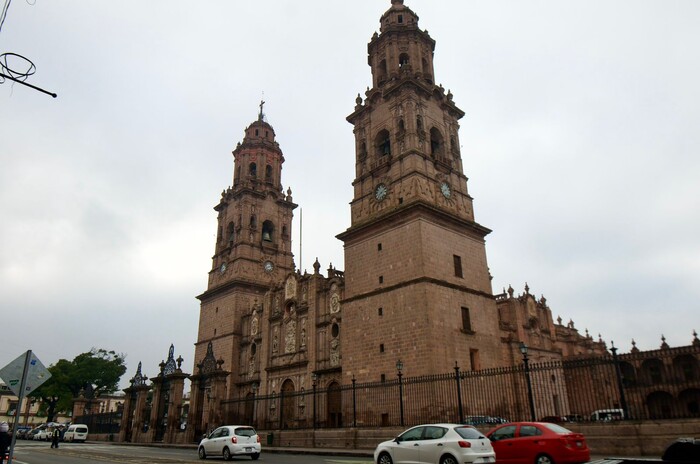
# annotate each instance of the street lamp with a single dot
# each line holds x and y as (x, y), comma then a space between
(459, 394)
(620, 383)
(314, 378)
(254, 387)
(526, 362)
(399, 368)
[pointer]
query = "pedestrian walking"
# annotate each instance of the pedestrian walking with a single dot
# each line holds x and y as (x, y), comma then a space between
(55, 436)
(5, 440)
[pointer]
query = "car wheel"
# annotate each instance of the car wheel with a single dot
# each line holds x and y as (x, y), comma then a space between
(384, 458)
(543, 459)
(227, 454)
(202, 453)
(448, 459)
(255, 456)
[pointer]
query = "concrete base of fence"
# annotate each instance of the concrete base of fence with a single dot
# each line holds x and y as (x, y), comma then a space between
(615, 438)
(635, 438)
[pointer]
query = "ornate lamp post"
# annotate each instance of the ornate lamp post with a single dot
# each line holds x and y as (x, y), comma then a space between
(314, 379)
(459, 394)
(399, 368)
(254, 387)
(620, 384)
(526, 362)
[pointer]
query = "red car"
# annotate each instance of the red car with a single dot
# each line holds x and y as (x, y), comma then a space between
(538, 443)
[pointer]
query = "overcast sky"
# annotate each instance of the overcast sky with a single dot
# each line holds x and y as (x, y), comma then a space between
(580, 143)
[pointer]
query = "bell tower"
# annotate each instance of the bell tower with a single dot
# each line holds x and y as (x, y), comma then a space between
(415, 259)
(253, 242)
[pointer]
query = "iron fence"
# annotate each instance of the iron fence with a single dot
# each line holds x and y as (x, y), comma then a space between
(604, 388)
(107, 422)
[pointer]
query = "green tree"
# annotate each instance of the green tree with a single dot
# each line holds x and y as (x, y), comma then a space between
(89, 374)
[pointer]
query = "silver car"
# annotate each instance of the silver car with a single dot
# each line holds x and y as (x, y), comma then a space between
(437, 444)
(231, 440)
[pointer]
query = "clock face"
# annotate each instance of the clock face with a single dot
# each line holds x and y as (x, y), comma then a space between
(222, 269)
(380, 192)
(445, 189)
(268, 266)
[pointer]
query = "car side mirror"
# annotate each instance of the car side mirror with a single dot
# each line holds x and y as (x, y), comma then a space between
(397, 439)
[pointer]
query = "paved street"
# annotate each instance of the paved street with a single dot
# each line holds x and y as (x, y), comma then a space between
(28, 452)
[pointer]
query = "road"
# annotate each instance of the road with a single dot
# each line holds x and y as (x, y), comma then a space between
(29, 452)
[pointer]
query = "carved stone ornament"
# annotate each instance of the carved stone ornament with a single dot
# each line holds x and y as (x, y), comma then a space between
(139, 380)
(290, 337)
(208, 364)
(290, 288)
(170, 365)
(254, 326)
(335, 303)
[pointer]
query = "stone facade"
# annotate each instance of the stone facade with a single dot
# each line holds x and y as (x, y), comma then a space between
(416, 272)
(416, 285)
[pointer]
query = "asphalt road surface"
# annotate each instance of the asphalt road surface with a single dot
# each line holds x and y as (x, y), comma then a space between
(29, 452)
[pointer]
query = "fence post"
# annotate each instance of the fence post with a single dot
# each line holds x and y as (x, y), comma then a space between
(314, 377)
(354, 403)
(399, 366)
(526, 362)
(459, 394)
(620, 386)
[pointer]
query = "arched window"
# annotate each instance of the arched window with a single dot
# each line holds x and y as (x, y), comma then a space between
(382, 143)
(629, 375)
(436, 142)
(402, 126)
(653, 371)
(253, 222)
(381, 72)
(268, 173)
(403, 60)
(230, 235)
(252, 170)
(427, 75)
(267, 230)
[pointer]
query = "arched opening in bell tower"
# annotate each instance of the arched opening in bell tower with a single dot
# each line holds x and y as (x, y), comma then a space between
(267, 230)
(436, 142)
(382, 143)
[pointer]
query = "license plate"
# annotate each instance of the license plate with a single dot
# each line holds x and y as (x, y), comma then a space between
(485, 460)
(248, 450)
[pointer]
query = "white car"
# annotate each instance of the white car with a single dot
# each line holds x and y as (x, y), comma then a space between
(42, 435)
(436, 444)
(229, 441)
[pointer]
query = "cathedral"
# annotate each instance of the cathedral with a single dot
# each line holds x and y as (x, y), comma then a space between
(416, 285)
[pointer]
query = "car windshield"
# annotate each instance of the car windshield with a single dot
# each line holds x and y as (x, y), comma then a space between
(556, 428)
(469, 433)
(245, 431)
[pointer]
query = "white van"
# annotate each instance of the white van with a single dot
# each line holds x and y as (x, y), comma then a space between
(76, 432)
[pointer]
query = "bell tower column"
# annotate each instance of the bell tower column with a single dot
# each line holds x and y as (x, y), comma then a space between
(252, 249)
(415, 258)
